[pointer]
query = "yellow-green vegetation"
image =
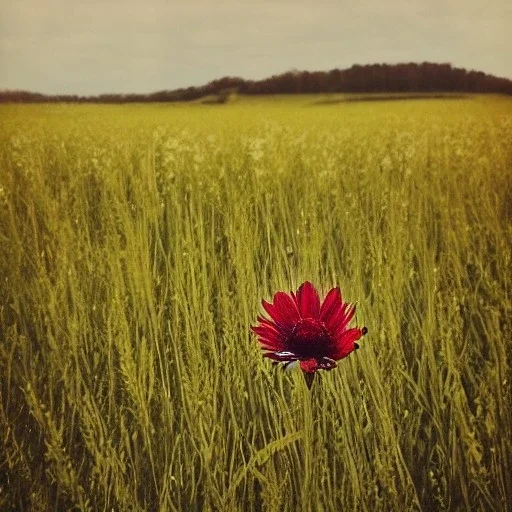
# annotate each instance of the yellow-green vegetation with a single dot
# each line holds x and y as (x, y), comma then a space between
(135, 245)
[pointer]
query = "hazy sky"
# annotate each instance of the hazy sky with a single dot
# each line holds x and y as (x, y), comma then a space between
(101, 46)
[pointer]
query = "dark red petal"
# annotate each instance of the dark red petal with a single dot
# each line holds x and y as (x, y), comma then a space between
(331, 304)
(266, 331)
(270, 347)
(308, 301)
(336, 317)
(269, 339)
(309, 365)
(271, 344)
(338, 322)
(283, 311)
(274, 327)
(348, 315)
(345, 344)
(268, 307)
(265, 321)
(287, 307)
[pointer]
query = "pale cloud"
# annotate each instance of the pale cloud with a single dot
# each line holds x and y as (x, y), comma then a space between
(89, 47)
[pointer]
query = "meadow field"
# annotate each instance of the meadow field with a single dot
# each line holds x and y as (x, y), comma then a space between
(136, 244)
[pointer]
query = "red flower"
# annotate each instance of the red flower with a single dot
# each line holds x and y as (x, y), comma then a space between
(301, 329)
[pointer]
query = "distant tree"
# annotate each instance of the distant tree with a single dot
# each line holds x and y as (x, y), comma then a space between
(406, 77)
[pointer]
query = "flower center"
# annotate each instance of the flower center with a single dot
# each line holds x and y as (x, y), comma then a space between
(309, 338)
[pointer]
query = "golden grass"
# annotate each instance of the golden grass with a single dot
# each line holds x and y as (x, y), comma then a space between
(135, 245)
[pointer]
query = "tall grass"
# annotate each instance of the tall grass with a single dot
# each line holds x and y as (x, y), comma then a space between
(135, 245)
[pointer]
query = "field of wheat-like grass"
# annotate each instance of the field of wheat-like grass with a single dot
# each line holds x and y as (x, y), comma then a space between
(136, 243)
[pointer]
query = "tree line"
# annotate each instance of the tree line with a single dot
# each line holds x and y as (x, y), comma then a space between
(373, 78)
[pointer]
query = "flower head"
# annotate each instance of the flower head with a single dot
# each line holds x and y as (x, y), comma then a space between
(302, 329)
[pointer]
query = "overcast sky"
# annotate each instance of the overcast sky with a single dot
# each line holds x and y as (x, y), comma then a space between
(101, 46)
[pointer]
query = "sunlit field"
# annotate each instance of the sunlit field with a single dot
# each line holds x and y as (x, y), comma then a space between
(136, 244)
